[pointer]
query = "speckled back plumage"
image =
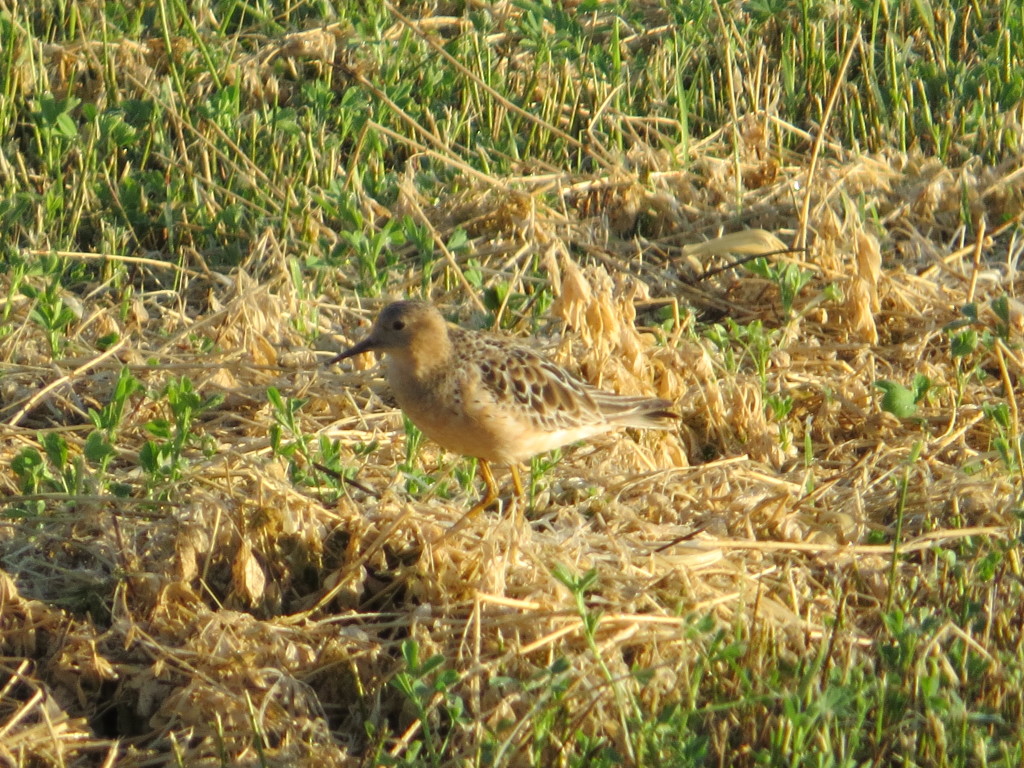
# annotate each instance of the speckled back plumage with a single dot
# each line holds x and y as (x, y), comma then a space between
(546, 393)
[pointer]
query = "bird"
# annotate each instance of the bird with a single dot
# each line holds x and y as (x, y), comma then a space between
(491, 397)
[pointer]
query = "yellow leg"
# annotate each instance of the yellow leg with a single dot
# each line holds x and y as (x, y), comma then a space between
(490, 494)
(515, 480)
(520, 513)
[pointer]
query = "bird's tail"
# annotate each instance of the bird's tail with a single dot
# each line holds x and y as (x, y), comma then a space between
(644, 412)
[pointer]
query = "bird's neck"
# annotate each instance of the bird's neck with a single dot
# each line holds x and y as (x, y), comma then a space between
(422, 363)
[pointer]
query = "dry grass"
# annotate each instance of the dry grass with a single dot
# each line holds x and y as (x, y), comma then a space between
(246, 612)
(243, 604)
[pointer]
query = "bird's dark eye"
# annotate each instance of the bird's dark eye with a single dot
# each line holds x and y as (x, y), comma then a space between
(398, 325)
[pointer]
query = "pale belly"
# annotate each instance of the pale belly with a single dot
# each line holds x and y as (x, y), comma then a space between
(479, 427)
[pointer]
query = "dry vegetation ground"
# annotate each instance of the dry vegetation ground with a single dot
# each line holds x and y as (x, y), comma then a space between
(810, 565)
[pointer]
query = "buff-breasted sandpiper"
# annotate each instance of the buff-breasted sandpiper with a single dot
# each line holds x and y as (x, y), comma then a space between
(491, 397)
